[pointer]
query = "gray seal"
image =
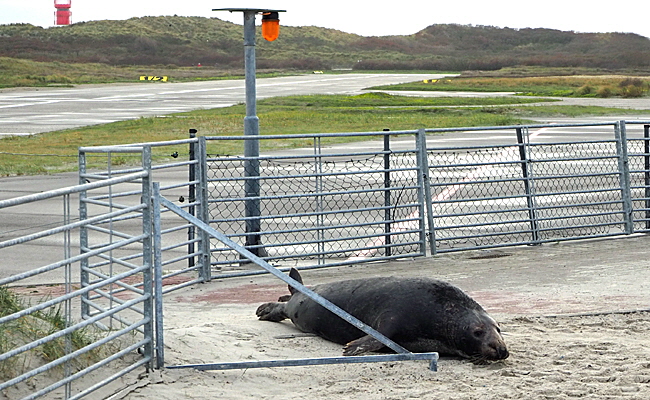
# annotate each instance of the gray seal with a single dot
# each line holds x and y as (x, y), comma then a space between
(420, 314)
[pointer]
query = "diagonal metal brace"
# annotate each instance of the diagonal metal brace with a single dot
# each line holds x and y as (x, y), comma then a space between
(290, 281)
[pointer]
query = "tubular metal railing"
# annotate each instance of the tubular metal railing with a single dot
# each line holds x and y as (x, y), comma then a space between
(46, 346)
(525, 190)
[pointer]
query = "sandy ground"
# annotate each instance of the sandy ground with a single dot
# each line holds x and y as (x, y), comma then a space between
(603, 357)
(565, 310)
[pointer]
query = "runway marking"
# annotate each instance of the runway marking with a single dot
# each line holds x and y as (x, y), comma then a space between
(30, 104)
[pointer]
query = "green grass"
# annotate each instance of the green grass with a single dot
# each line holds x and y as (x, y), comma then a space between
(380, 99)
(27, 73)
(57, 151)
(33, 327)
(561, 86)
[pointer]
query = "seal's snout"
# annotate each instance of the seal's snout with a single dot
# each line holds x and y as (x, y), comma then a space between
(497, 350)
(501, 352)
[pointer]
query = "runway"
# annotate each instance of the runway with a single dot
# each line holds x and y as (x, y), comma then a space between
(37, 110)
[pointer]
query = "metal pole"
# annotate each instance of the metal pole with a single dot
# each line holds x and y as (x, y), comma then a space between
(159, 345)
(84, 276)
(67, 253)
(147, 257)
(523, 156)
(624, 175)
(251, 146)
(204, 209)
(387, 213)
(424, 194)
(432, 357)
(320, 220)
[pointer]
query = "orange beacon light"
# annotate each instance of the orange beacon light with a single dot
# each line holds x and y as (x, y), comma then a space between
(270, 25)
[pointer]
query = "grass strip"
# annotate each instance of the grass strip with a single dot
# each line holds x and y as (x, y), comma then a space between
(54, 152)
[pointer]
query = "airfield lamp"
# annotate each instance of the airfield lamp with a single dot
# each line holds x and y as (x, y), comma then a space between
(270, 25)
(252, 207)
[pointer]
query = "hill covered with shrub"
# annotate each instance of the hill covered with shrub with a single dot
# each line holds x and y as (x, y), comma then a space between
(186, 41)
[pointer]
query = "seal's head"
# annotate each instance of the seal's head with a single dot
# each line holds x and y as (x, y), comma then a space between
(480, 338)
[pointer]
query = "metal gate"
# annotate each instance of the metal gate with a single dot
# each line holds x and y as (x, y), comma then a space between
(524, 190)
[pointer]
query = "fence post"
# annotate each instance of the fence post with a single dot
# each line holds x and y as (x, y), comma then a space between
(646, 173)
(147, 256)
(67, 313)
(84, 277)
(159, 345)
(530, 201)
(387, 199)
(624, 175)
(318, 180)
(204, 209)
(424, 192)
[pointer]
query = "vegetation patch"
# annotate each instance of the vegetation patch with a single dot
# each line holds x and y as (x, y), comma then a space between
(560, 86)
(35, 326)
(27, 73)
(214, 43)
(382, 99)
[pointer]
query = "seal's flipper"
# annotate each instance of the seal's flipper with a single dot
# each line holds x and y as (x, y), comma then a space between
(362, 345)
(271, 312)
(295, 275)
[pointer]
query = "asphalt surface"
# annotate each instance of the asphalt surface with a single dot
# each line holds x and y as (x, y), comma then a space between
(36, 110)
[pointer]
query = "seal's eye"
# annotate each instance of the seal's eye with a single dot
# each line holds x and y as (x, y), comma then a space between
(479, 333)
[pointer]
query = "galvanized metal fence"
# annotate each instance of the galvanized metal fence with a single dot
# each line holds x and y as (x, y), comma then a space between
(184, 260)
(516, 188)
(638, 165)
(95, 319)
(48, 348)
(521, 191)
(318, 205)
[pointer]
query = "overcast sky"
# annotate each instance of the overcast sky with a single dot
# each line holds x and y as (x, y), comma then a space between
(403, 18)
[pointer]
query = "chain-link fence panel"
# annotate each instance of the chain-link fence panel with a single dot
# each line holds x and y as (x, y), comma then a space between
(523, 191)
(329, 207)
(478, 197)
(577, 189)
(638, 149)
